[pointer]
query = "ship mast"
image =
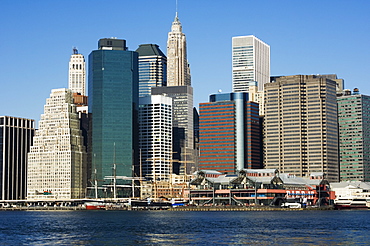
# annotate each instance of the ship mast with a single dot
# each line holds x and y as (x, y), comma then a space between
(114, 173)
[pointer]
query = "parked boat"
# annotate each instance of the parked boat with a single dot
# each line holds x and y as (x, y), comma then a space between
(352, 202)
(95, 205)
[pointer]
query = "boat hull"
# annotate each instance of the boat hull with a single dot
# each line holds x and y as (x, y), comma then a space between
(342, 206)
(95, 206)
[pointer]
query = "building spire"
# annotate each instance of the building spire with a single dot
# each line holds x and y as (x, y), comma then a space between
(177, 14)
(176, 7)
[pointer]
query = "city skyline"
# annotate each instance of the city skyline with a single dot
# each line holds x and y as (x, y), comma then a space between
(312, 41)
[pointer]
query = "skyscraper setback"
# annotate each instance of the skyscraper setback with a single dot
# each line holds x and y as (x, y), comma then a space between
(57, 159)
(250, 62)
(178, 70)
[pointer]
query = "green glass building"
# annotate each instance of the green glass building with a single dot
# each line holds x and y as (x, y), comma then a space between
(113, 103)
(354, 136)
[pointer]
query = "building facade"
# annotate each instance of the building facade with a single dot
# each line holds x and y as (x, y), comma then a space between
(256, 96)
(15, 141)
(183, 126)
(155, 137)
(229, 133)
(57, 159)
(250, 62)
(113, 104)
(354, 136)
(178, 70)
(152, 68)
(301, 127)
(77, 73)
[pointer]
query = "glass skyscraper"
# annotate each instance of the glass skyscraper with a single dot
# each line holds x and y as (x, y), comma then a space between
(354, 136)
(113, 103)
(152, 68)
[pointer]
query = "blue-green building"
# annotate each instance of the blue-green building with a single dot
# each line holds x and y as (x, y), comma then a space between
(354, 136)
(113, 103)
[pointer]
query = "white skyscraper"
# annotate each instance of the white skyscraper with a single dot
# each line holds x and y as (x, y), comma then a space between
(155, 136)
(251, 62)
(178, 71)
(56, 161)
(77, 73)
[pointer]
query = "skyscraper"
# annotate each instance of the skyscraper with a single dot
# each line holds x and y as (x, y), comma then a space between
(57, 159)
(155, 137)
(152, 68)
(354, 136)
(15, 141)
(178, 70)
(183, 125)
(77, 73)
(250, 62)
(113, 103)
(301, 127)
(229, 133)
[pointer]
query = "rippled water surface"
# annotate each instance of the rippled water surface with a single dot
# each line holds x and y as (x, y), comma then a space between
(184, 228)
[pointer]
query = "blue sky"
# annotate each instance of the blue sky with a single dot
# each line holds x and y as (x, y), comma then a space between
(306, 37)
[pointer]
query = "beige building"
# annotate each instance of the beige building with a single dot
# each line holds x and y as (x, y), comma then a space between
(57, 159)
(77, 73)
(256, 96)
(300, 126)
(178, 70)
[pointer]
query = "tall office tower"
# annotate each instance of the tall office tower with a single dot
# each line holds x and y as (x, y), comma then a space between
(301, 126)
(183, 126)
(178, 70)
(57, 159)
(251, 62)
(77, 73)
(354, 136)
(152, 68)
(15, 140)
(230, 134)
(113, 103)
(155, 137)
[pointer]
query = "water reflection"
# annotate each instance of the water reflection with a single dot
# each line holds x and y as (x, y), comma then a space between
(184, 228)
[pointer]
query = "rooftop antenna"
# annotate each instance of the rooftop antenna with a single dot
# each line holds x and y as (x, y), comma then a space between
(176, 7)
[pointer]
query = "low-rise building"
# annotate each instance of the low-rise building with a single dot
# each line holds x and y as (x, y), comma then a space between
(258, 187)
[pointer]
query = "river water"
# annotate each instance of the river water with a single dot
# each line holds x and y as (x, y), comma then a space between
(185, 228)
